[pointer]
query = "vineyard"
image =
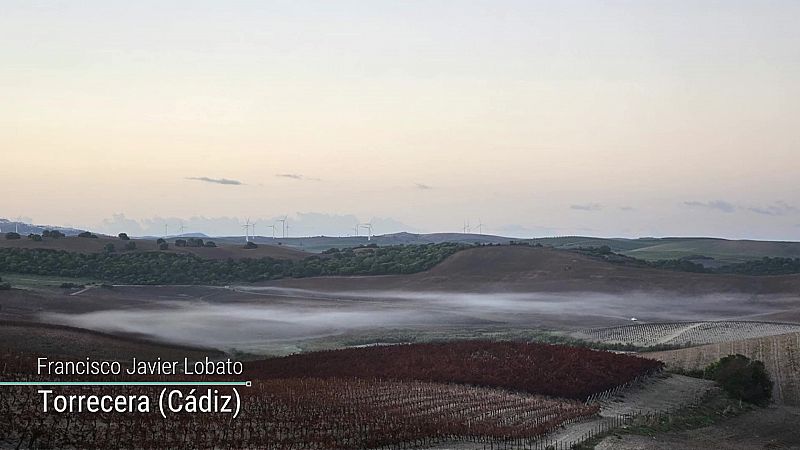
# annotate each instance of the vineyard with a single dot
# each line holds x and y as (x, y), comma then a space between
(780, 354)
(321, 409)
(685, 333)
(553, 370)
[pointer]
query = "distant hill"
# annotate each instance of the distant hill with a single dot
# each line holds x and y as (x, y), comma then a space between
(7, 225)
(223, 250)
(711, 252)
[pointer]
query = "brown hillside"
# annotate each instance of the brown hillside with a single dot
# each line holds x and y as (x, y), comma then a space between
(222, 251)
(529, 269)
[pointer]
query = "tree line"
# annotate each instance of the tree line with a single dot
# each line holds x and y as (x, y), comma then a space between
(171, 268)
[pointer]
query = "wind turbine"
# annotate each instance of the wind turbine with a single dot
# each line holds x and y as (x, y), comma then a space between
(166, 230)
(283, 225)
(253, 230)
(355, 230)
(273, 230)
(246, 227)
(368, 226)
(181, 227)
(480, 227)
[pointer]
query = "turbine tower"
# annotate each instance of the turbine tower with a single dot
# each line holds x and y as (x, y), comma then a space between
(480, 227)
(273, 230)
(246, 227)
(283, 226)
(166, 230)
(368, 226)
(181, 227)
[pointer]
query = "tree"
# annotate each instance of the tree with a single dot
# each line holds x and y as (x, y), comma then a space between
(124, 236)
(12, 236)
(742, 378)
(87, 234)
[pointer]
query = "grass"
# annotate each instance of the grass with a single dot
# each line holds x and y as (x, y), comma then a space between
(716, 408)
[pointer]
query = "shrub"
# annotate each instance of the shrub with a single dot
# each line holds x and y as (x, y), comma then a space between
(163, 245)
(130, 245)
(53, 234)
(109, 248)
(124, 236)
(742, 378)
(35, 237)
(180, 243)
(12, 236)
(87, 234)
(161, 241)
(5, 286)
(250, 245)
(210, 244)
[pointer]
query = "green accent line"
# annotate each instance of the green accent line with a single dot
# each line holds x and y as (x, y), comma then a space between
(125, 383)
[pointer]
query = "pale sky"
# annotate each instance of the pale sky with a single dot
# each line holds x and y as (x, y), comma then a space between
(613, 118)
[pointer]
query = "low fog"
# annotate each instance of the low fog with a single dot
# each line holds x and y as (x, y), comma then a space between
(252, 318)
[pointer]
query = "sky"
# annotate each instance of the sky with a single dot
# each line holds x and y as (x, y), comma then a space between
(534, 118)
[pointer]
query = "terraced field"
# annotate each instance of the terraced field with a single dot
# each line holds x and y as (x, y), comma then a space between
(685, 333)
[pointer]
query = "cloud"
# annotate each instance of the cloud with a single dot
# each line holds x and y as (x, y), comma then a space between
(422, 186)
(216, 180)
(296, 176)
(775, 209)
(587, 207)
(718, 205)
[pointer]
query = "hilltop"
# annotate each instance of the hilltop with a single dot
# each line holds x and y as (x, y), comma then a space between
(224, 250)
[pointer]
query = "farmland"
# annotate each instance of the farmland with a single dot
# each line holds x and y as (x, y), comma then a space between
(685, 333)
(780, 354)
(321, 407)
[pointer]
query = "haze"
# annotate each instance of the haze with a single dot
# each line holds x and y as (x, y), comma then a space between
(538, 118)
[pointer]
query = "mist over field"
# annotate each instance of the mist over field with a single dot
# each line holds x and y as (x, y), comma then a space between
(283, 315)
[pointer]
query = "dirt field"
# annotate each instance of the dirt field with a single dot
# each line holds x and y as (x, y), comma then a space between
(222, 251)
(528, 269)
(780, 354)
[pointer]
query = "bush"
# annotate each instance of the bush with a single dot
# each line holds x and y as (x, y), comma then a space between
(109, 248)
(163, 245)
(210, 244)
(12, 236)
(180, 243)
(35, 237)
(742, 378)
(250, 245)
(161, 241)
(124, 236)
(130, 245)
(5, 286)
(53, 234)
(87, 234)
